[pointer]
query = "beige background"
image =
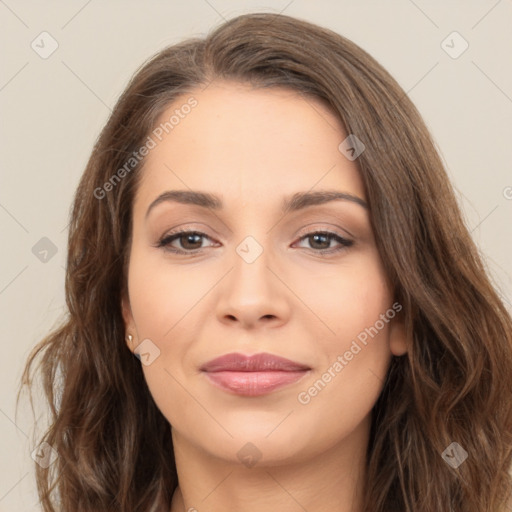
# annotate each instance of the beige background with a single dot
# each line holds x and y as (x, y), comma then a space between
(53, 109)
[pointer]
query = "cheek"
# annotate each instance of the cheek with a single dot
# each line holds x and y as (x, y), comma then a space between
(162, 294)
(355, 310)
(163, 301)
(345, 298)
(343, 391)
(159, 309)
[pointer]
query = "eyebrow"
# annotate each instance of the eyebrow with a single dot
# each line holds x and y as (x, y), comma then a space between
(295, 202)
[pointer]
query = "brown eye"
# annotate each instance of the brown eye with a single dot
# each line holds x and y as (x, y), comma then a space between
(189, 241)
(320, 241)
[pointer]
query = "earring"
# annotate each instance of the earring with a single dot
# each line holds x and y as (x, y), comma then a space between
(129, 338)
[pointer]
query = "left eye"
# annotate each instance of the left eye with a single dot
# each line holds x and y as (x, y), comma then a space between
(318, 236)
(192, 238)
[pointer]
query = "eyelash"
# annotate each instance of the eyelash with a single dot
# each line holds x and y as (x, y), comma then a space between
(169, 238)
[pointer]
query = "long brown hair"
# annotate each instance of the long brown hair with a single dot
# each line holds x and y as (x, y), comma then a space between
(455, 383)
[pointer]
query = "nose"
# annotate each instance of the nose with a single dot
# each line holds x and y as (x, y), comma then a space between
(252, 292)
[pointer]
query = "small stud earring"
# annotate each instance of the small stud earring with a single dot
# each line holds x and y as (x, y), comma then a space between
(129, 338)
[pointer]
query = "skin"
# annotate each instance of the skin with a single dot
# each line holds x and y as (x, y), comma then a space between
(254, 147)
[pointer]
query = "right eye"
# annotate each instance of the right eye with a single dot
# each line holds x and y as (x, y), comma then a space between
(188, 237)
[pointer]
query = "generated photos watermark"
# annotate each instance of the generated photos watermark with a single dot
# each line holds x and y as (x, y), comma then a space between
(304, 397)
(151, 142)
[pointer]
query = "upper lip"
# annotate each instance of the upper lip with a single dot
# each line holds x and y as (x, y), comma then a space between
(253, 363)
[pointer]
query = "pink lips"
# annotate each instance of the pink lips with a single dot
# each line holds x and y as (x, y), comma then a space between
(253, 375)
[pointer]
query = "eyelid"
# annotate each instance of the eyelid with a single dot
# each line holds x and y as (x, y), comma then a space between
(332, 228)
(305, 230)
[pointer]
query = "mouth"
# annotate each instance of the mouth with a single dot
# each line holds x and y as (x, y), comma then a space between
(253, 375)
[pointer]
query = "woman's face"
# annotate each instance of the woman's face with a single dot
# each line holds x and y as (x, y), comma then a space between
(258, 278)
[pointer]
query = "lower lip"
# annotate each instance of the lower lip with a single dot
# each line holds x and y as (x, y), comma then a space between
(254, 383)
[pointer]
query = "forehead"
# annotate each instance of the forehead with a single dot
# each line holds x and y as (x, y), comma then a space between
(252, 145)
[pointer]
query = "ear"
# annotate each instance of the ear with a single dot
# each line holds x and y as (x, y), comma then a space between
(129, 324)
(398, 341)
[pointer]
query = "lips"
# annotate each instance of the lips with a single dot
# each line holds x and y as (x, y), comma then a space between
(255, 363)
(253, 375)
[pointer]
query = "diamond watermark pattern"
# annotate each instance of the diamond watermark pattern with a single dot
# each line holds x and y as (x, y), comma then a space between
(454, 455)
(44, 250)
(44, 44)
(351, 147)
(44, 455)
(249, 249)
(146, 352)
(249, 455)
(454, 45)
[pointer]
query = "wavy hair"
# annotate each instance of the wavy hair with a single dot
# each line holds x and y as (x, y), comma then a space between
(114, 446)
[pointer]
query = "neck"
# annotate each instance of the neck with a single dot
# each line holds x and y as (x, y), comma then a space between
(331, 480)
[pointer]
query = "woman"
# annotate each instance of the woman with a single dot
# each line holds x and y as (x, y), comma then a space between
(215, 356)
